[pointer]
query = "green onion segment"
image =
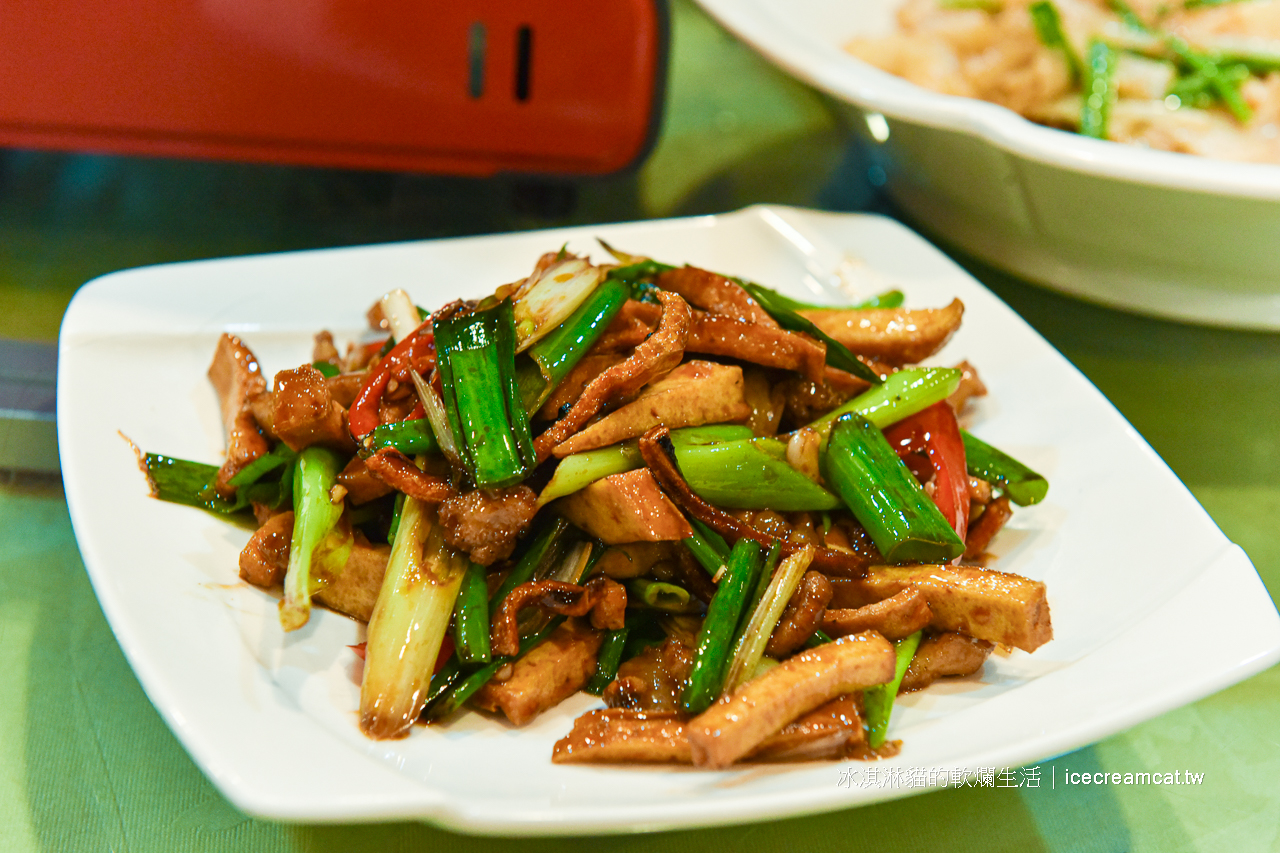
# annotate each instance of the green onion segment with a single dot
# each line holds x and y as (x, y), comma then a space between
(885, 496)
(877, 702)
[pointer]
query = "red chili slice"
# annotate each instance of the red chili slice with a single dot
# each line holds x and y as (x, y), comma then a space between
(416, 352)
(934, 433)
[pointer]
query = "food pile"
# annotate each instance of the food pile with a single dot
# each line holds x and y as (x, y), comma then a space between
(1194, 76)
(745, 522)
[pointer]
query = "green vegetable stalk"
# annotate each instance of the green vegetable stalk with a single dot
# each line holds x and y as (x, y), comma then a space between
(1023, 486)
(750, 645)
(476, 360)
(1048, 24)
(471, 617)
(838, 355)
(885, 496)
(659, 595)
(314, 516)
(711, 551)
(462, 688)
(751, 474)
(724, 464)
(609, 658)
(710, 661)
(412, 438)
(877, 702)
(903, 394)
(563, 347)
(1099, 89)
(192, 483)
(408, 624)
(1221, 75)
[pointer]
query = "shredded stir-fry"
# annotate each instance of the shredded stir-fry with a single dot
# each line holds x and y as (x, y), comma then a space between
(746, 523)
(1191, 76)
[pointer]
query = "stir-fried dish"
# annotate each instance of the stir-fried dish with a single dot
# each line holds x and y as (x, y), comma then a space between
(1192, 76)
(744, 522)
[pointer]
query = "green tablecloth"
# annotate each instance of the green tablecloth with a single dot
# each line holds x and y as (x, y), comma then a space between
(87, 764)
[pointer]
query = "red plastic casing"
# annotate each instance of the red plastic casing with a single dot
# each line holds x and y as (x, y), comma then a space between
(474, 88)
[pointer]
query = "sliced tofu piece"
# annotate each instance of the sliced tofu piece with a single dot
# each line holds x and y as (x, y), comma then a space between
(892, 335)
(354, 590)
(982, 603)
(626, 507)
(551, 672)
(742, 721)
(694, 393)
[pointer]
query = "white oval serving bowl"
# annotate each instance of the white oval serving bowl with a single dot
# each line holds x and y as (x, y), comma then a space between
(1170, 235)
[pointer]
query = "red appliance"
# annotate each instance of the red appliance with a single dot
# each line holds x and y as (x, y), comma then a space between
(540, 86)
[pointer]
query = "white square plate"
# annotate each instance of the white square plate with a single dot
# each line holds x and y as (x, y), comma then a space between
(1140, 579)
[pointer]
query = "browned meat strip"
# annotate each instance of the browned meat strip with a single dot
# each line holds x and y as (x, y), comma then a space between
(487, 524)
(992, 520)
(303, 413)
(361, 485)
(847, 535)
(652, 680)
(633, 559)
(266, 556)
(766, 399)
(693, 393)
(733, 727)
(979, 497)
(805, 400)
(898, 616)
(659, 353)
(571, 387)
(847, 383)
(715, 293)
(551, 672)
(767, 346)
(236, 377)
(352, 591)
(604, 599)
(626, 736)
(944, 655)
(690, 574)
(833, 730)
(634, 322)
(398, 471)
(892, 335)
(970, 386)
(801, 617)
(344, 387)
(985, 604)
(659, 460)
(323, 349)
